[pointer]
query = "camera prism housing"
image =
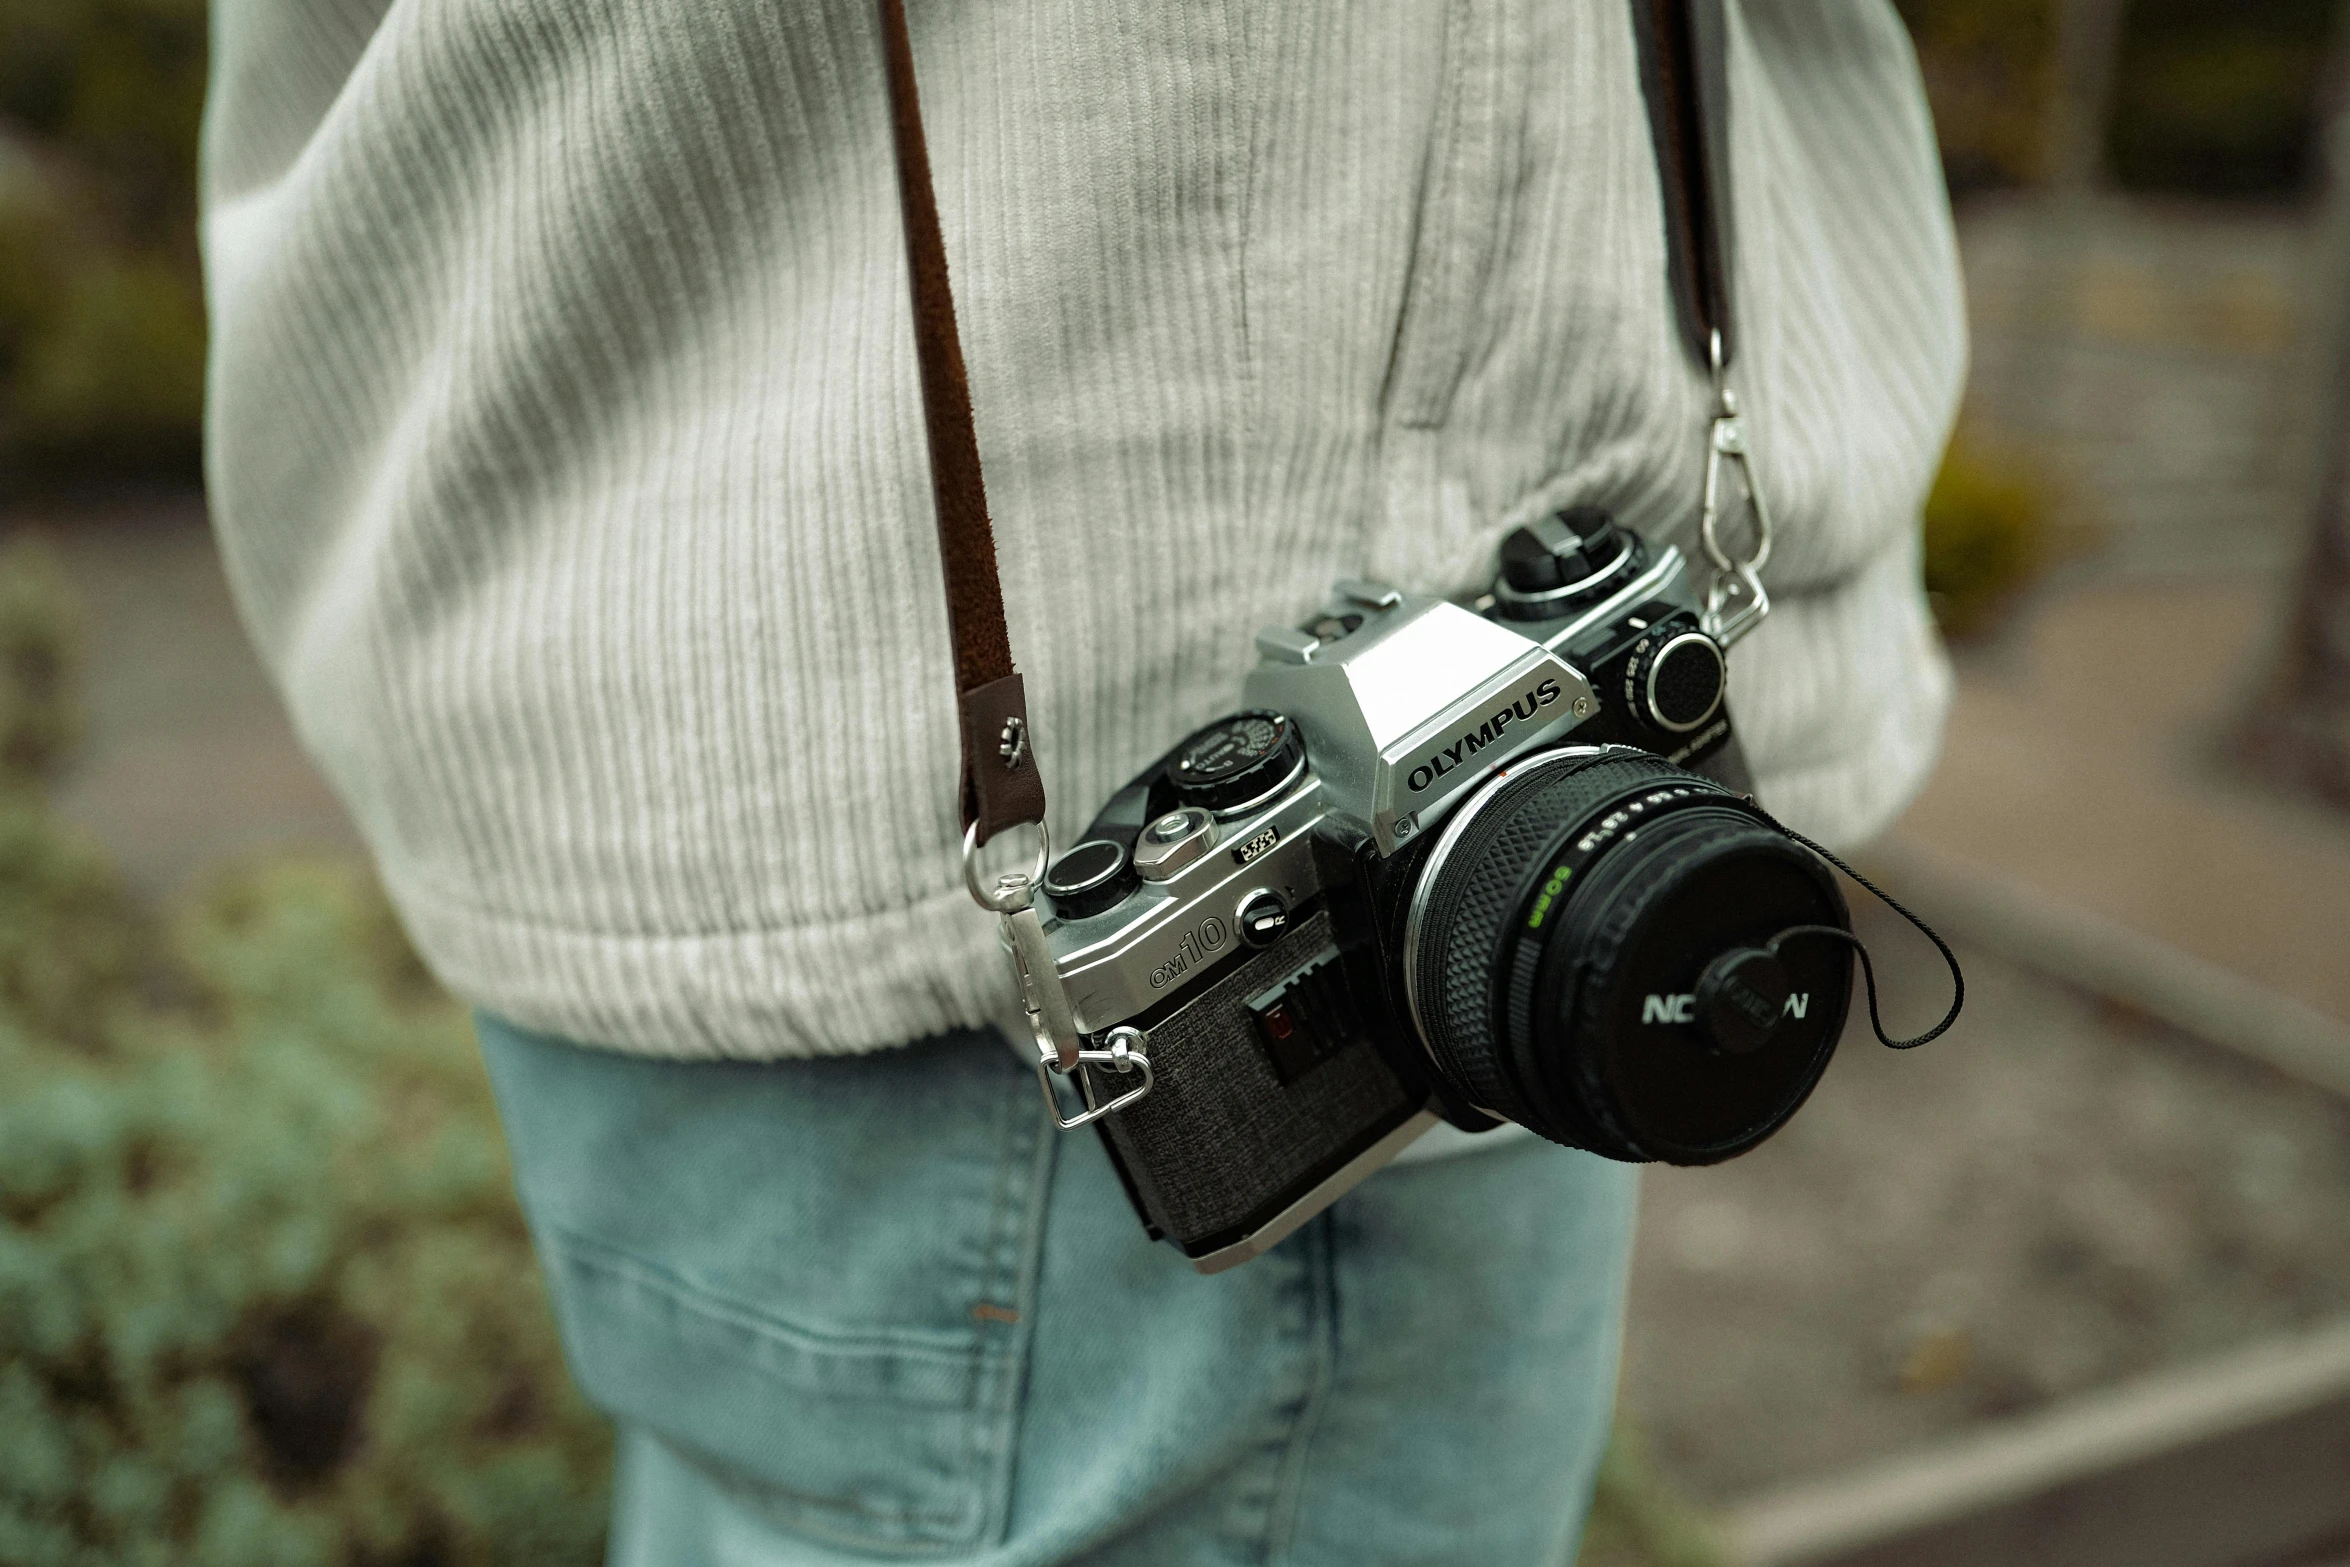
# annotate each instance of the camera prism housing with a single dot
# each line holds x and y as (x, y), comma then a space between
(1452, 863)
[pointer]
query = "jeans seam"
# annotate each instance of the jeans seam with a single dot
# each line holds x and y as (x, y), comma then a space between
(1013, 1260)
(1044, 1169)
(757, 1490)
(576, 1248)
(1281, 1519)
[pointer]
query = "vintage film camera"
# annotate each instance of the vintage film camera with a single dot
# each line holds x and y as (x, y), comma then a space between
(1447, 862)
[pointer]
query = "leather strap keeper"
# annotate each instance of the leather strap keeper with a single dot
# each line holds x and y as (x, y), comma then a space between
(996, 788)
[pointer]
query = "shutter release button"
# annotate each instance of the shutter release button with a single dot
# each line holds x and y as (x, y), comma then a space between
(1174, 841)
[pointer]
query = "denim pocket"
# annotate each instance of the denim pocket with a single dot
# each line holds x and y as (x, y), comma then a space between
(809, 1278)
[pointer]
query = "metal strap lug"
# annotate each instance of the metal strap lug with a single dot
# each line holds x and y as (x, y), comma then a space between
(1735, 602)
(1128, 1053)
(1042, 996)
(1012, 898)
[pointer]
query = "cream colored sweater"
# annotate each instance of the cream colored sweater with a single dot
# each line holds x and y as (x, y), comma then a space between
(566, 447)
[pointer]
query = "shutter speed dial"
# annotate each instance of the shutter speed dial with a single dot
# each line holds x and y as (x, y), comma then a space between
(1239, 763)
(1555, 566)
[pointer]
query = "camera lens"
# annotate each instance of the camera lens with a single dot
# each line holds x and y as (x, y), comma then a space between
(1583, 955)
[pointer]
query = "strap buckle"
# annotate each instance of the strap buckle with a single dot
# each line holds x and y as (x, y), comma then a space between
(1012, 898)
(1127, 1053)
(1735, 602)
(1012, 889)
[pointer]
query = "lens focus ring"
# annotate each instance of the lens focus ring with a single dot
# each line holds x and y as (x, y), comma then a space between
(1470, 886)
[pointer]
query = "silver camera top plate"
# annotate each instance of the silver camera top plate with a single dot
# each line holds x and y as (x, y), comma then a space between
(1403, 714)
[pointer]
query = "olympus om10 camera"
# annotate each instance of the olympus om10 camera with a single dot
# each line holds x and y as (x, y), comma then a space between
(1449, 862)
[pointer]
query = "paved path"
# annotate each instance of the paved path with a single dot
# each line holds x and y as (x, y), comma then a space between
(188, 760)
(2086, 765)
(2161, 361)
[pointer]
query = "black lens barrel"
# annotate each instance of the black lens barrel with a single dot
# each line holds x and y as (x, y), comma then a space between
(1476, 884)
(1559, 934)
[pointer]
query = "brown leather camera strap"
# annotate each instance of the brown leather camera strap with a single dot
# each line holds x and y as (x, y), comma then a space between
(1685, 76)
(1001, 786)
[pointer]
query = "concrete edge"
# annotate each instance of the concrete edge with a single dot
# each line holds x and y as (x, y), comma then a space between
(2009, 1463)
(2189, 993)
(2005, 1466)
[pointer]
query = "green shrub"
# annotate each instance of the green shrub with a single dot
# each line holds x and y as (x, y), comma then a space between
(264, 1294)
(113, 376)
(2209, 99)
(2219, 100)
(68, 935)
(265, 1297)
(33, 261)
(1988, 530)
(101, 311)
(39, 647)
(116, 88)
(70, 940)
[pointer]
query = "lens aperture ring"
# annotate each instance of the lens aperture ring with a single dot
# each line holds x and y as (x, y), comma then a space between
(1475, 889)
(1569, 869)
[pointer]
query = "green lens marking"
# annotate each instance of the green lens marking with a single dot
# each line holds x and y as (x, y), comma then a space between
(1548, 896)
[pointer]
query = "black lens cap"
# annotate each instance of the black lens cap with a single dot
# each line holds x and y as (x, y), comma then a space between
(1689, 1043)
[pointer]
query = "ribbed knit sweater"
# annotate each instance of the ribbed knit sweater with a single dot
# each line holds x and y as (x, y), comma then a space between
(567, 456)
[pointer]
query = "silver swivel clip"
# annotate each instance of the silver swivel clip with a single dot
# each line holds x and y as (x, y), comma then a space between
(1060, 1050)
(1735, 602)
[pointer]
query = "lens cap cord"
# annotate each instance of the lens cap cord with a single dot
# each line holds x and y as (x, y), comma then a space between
(1868, 969)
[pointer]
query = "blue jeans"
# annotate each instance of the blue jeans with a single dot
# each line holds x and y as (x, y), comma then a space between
(877, 1308)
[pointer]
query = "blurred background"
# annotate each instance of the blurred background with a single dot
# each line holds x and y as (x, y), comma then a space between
(2070, 1287)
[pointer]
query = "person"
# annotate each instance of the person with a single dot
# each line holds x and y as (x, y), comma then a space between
(566, 454)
